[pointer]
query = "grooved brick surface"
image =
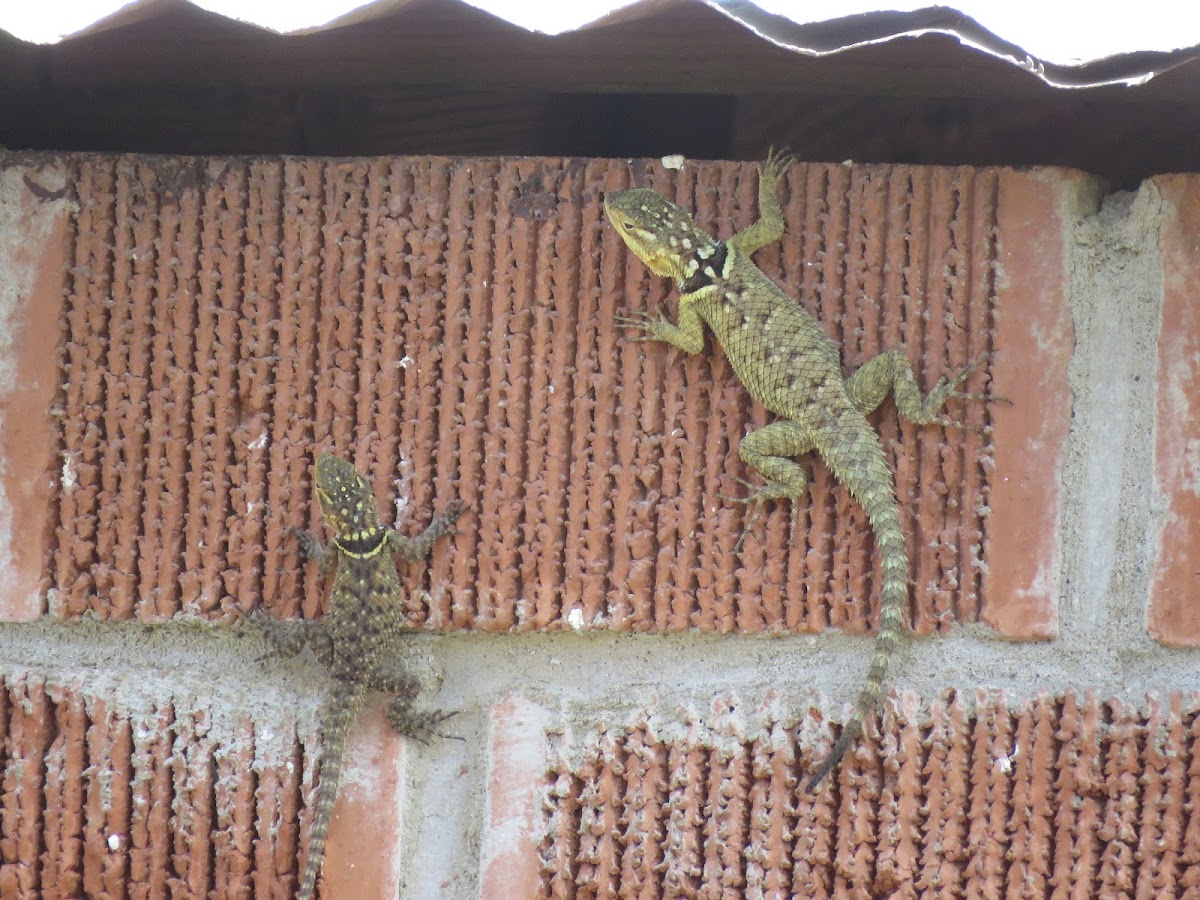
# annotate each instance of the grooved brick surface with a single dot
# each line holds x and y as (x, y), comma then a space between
(161, 800)
(1069, 796)
(448, 325)
(1173, 615)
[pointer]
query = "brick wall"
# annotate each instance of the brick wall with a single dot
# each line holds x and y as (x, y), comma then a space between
(179, 337)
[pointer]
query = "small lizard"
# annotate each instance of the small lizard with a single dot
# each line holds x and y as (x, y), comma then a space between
(791, 367)
(357, 642)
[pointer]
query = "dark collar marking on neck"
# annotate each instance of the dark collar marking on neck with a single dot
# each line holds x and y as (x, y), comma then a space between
(700, 279)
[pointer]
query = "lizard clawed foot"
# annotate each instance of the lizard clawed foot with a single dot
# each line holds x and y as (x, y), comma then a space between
(310, 546)
(420, 727)
(756, 500)
(777, 162)
(946, 388)
(648, 322)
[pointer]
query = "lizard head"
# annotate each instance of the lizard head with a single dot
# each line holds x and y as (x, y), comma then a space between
(662, 234)
(348, 503)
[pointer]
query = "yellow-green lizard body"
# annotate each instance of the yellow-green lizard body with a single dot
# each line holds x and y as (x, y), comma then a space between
(792, 368)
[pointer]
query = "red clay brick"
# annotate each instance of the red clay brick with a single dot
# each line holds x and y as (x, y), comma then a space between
(1173, 615)
(448, 325)
(1069, 795)
(363, 852)
(35, 221)
(1034, 340)
(517, 764)
(153, 801)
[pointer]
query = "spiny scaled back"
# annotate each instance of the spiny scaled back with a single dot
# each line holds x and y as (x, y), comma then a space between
(790, 366)
(348, 504)
(358, 641)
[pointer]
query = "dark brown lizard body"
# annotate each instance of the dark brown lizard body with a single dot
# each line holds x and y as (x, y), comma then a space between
(358, 640)
(791, 367)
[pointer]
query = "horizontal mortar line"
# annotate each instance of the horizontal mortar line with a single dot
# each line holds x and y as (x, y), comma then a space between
(219, 665)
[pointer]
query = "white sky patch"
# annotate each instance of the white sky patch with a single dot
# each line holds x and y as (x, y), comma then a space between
(1063, 33)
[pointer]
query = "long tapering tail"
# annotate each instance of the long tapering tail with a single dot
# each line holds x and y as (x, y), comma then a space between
(889, 539)
(340, 711)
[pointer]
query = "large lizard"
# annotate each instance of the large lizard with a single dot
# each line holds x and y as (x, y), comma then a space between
(359, 638)
(791, 367)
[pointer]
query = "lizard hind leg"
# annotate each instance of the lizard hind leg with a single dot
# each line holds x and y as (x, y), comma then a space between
(891, 372)
(768, 451)
(287, 639)
(419, 726)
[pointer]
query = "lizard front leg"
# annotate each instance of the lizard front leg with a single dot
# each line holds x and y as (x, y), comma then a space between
(770, 224)
(769, 451)
(891, 371)
(416, 549)
(687, 335)
(311, 547)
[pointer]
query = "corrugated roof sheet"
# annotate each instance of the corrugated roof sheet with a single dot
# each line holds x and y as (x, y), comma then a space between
(1104, 50)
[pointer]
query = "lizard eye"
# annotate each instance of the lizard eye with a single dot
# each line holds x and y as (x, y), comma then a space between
(628, 226)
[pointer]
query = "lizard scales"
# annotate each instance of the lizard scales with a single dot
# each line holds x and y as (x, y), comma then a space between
(358, 640)
(790, 366)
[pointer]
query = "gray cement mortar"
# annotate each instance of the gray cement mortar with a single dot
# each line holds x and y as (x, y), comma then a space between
(1108, 530)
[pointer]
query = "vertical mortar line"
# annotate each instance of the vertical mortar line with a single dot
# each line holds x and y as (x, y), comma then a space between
(198, 501)
(610, 291)
(287, 470)
(895, 239)
(939, 452)
(565, 282)
(58, 530)
(697, 412)
(715, 811)
(146, 234)
(415, 293)
(436, 213)
(319, 426)
(33, 772)
(506, 295)
(585, 479)
(226, 524)
(988, 326)
(100, 287)
(114, 490)
(383, 245)
(171, 387)
(806, 610)
(371, 366)
(253, 385)
(208, 802)
(863, 578)
(922, 221)
(491, 342)
(902, 194)
(354, 299)
(565, 224)
(455, 365)
(957, 455)
(822, 490)
(969, 445)
(745, 572)
(848, 524)
(982, 203)
(341, 299)
(118, 753)
(315, 431)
